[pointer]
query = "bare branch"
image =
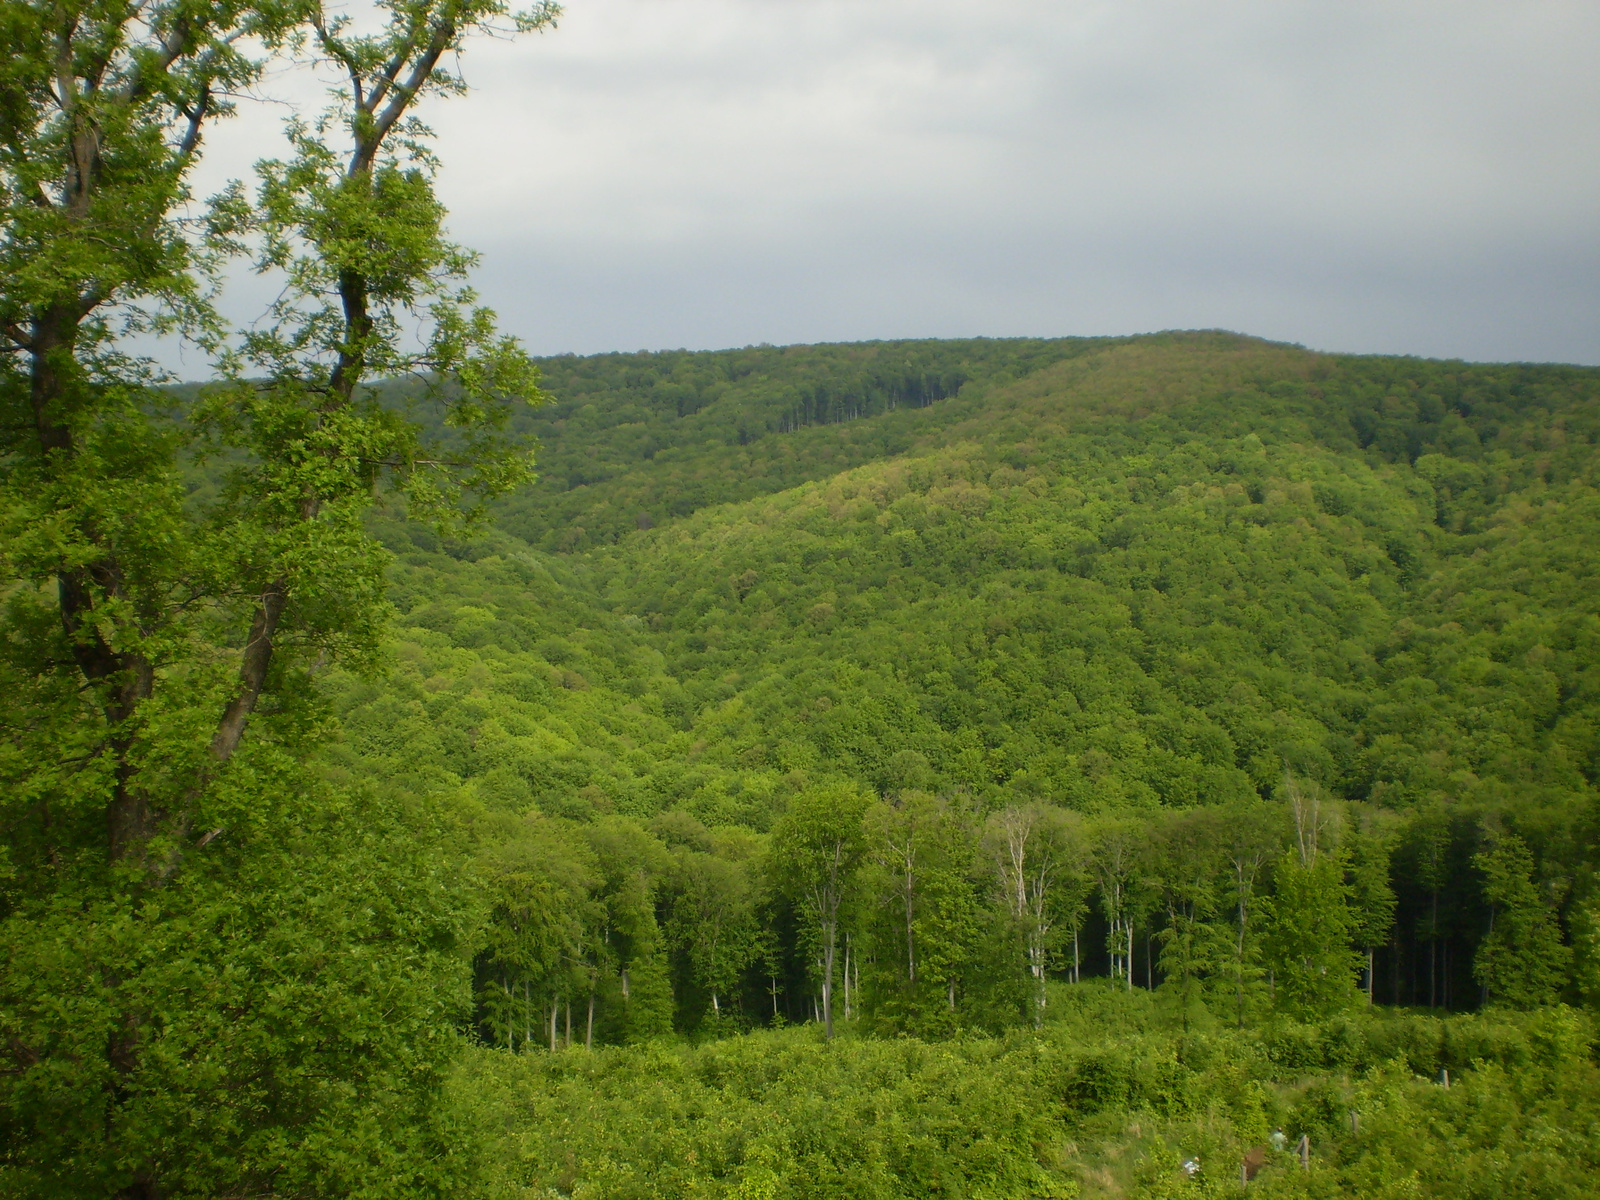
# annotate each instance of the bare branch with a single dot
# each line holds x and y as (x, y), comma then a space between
(443, 36)
(196, 116)
(172, 48)
(335, 50)
(391, 69)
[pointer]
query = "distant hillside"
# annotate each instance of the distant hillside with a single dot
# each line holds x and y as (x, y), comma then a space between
(1145, 575)
(635, 440)
(1184, 517)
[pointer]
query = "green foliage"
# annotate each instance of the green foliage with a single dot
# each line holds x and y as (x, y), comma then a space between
(297, 994)
(228, 968)
(1145, 576)
(713, 917)
(774, 1115)
(1512, 1126)
(890, 669)
(1040, 856)
(1108, 604)
(1521, 960)
(1047, 627)
(638, 440)
(1372, 895)
(648, 1011)
(1107, 1100)
(1309, 925)
(816, 848)
(540, 882)
(924, 917)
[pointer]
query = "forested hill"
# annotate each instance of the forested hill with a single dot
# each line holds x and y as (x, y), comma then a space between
(632, 440)
(1147, 578)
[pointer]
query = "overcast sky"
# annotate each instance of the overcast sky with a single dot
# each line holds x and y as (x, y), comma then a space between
(1405, 177)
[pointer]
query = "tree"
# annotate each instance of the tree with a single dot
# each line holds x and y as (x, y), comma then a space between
(648, 983)
(713, 920)
(148, 631)
(1039, 854)
(1309, 925)
(1430, 837)
(1187, 854)
(1252, 840)
(104, 116)
(925, 903)
(1521, 961)
(632, 864)
(540, 882)
(1119, 847)
(1371, 849)
(357, 233)
(816, 847)
(1316, 819)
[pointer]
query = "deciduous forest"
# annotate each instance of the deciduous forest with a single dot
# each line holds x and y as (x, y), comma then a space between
(1147, 767)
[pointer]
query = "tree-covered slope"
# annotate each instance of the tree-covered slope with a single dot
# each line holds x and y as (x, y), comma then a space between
(1147, 578)
(635, 440)
(1152, 573)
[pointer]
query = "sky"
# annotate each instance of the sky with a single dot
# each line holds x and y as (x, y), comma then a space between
(1397, 177)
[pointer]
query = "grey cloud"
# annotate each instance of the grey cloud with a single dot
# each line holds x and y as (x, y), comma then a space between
(1403, 177)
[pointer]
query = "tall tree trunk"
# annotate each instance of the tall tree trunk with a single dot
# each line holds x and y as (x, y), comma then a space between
(1039, 999)
(1130, 953)
(847, 977)
(830, 934)
(911, 953)
(1239, 962)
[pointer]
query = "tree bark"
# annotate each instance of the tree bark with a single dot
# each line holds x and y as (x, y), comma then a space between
(254, 663)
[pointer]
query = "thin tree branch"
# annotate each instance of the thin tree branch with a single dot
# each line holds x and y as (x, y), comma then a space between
(366, 151)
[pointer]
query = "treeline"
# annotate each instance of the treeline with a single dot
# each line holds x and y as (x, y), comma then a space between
(924, 914)
(821, 404)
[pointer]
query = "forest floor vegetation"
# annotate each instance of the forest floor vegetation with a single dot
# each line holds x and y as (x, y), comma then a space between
(1108, 1100)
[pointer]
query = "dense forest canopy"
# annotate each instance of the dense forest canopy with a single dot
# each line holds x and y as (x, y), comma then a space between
(1259, 680)
(1253, 681)
(1152, 581)
(1143, 766)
